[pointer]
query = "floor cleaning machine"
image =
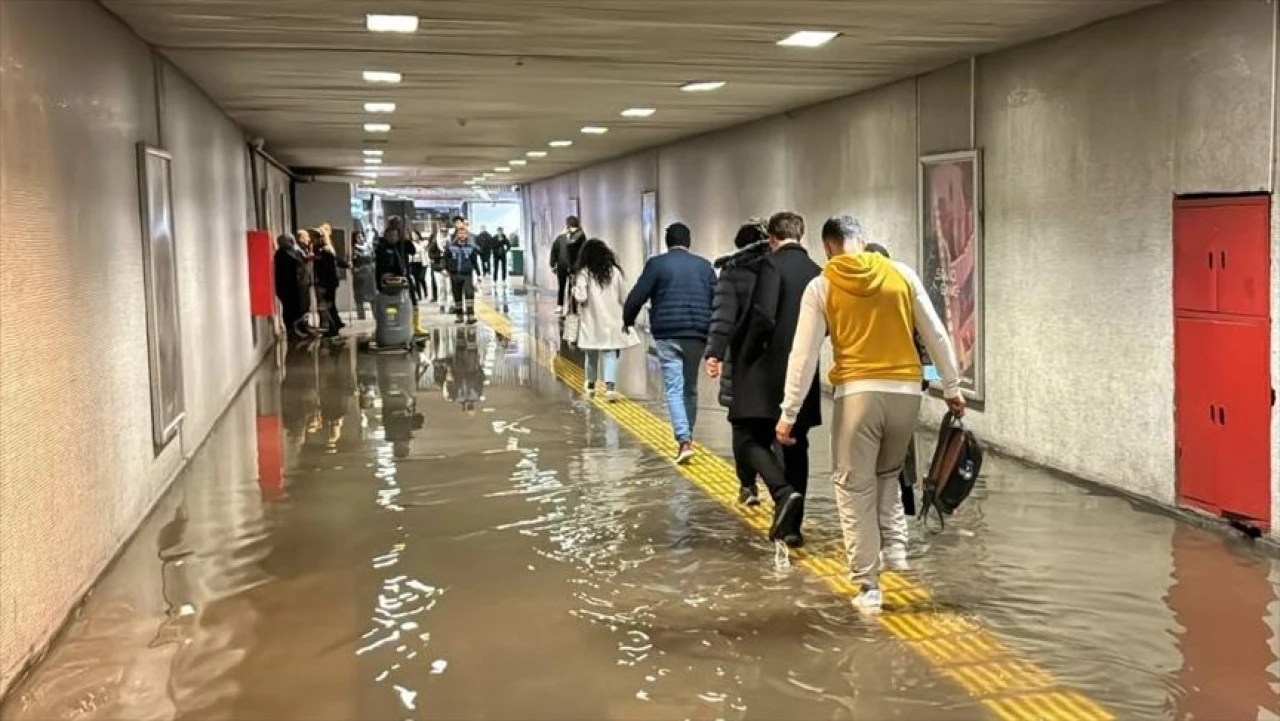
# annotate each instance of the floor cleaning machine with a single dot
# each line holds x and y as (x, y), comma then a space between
(393, 318)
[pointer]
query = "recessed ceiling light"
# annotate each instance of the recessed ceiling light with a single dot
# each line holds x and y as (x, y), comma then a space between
(702, 86)
(594, 129)
(381, 76)
(517, 162)
(472, 181)
(379, 107)
(502, 169)
(377, 127)
(537, 153)
(368, 175)
(638, 112)
(486, 175)
(374, 153)
(373, 161)
(560, 143)
(391, 23)
(808, 38)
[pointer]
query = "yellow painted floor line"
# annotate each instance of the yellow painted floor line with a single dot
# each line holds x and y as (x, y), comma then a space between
(1011, 688)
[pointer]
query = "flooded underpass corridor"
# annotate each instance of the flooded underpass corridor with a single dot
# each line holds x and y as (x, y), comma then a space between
(459, 534)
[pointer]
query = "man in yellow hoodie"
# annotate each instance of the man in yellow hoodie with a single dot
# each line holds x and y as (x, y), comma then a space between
(871, 307)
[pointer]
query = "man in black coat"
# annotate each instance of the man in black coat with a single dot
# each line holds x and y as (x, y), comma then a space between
(564, 257)
(760, 351)
(733, 296)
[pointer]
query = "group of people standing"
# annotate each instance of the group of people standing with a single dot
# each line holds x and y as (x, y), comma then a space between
(439, 267)
(758, 328)
(308, 267)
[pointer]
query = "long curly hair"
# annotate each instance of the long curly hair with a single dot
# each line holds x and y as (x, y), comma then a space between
(599, 261)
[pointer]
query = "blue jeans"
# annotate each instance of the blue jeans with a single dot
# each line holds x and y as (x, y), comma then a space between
(680, 360)
(601, 360)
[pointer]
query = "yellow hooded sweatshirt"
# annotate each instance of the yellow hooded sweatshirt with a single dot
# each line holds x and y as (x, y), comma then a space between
(871, 320)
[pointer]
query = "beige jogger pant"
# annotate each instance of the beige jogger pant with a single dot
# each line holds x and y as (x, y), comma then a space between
(869, 440)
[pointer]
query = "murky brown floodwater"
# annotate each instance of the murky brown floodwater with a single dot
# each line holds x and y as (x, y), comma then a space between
(457, 536)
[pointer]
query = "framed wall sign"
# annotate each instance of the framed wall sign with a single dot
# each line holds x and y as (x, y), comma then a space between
(160, 275)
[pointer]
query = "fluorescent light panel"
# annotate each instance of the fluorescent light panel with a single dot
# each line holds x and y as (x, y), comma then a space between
(377, 128)
(502, 169)
(373, 161)
(537, 153)
(374, 153)
(594, 129)
(381, 76)
(560, 143)
(702, 86)
(391, 23)
(808, 38)
(517, 162)
(379, 107)
(638, 112)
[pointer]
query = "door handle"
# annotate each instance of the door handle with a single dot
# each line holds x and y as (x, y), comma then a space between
(1222, 416)
(1211, 260)
(1222, 259)
(1213, 414)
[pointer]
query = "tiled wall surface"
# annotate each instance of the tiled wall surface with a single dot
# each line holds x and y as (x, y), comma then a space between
(1087, 137)
(77, 466)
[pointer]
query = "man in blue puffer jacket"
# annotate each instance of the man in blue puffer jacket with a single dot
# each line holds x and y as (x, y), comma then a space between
(679, 288)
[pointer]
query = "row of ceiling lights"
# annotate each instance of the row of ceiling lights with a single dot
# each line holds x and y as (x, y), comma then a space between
(409, 24)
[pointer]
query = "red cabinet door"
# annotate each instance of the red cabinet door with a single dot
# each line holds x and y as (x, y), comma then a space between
(1242, 243)
(1195, 257)
(1242, 393)
(1195, 412)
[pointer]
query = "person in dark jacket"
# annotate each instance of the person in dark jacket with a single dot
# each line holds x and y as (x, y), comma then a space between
(760, 352)
(733, 296)
(291, 280)
(501, 246)
(462, 264)
(328, 277)
(391, 267)
(564, 257)
(483, 243)
(679, 288)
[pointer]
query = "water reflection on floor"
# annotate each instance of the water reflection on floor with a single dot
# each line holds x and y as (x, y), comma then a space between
(456, 535)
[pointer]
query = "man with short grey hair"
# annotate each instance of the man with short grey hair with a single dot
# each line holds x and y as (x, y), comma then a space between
(871, 307)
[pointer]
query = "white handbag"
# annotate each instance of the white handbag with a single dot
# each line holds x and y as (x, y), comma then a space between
(572, 325)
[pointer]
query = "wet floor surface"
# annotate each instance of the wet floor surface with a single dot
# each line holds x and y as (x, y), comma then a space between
(459, 535)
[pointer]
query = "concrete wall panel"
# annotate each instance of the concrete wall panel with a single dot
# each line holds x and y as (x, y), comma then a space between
(1087, 136)
(77, 467)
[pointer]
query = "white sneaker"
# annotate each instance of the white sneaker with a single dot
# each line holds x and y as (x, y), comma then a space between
(685, 454)
(894, 558)
(610, 396)
(590, 392)
(870, 602)
(559, 310)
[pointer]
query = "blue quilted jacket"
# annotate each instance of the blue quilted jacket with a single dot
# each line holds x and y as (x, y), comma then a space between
(679, 287)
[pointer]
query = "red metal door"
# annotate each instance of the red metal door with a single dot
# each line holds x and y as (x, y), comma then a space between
(1195, 258)
(1196, 413)
(1243, 248)
(1242, 394)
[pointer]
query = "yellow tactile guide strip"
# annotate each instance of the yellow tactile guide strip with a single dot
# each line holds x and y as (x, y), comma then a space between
(1013, 688)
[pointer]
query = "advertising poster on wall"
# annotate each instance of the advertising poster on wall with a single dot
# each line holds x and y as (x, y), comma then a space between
(649, 222)
(160, 276)
(951, 254)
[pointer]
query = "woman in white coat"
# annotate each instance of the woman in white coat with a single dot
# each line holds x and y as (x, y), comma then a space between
(599, 291)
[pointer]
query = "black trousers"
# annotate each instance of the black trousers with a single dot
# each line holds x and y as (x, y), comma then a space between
(500, 261)
(464, 294)
(785, 469)
(418, 278)
(332, 320)
(562, 281)
(484, 263)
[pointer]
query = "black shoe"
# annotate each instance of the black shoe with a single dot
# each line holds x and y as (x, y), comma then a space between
(787, 516)
(471, 320)
(748, 496)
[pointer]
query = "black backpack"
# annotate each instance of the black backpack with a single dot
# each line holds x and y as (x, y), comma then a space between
(957, 461)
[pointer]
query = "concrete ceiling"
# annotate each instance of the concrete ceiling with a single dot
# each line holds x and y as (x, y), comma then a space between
(487, 80)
